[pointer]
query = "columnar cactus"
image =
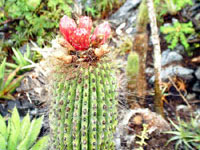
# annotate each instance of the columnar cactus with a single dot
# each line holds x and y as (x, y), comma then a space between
(83, 113)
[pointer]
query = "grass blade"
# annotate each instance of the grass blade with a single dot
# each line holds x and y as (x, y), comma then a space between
(2, 73)
(11, 77)
(41, 144)
(13, 85)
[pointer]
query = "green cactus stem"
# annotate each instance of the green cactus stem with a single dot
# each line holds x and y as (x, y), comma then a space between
(132, 67)
(83, 113)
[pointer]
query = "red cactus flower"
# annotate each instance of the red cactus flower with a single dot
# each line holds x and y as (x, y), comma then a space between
(67, 27)
(101, 33)
(80, 39)
(85, 22)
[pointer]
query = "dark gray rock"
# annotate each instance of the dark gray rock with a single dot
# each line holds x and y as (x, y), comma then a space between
(128, 6)
(195, 13)
(2, 36)
(11, 104)
(22, 106)
(191, 96)
(167, 24)
(130, 30)
(177, 70)
(169, 56)
(23, 49)
(179, 49)
(117, 139)
(149, 71)
(197, 73)
(3, 111)
(196, 87)
(127, 13)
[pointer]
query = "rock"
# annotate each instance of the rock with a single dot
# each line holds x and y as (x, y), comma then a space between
(2, 36)
(182, 108)
(117, 139)
(197, 73)
(169, 56)
(174, 20)
(34, 84)
(197, 112)
(3, 111)
(196, 87)
(22, 106)
(177, 70)
(87, 3)
(127, 13)
(11, 104)
(128, 6)
(195, 7)
(197, 17)
(149, 71)
(119, 29)
(34, 112)
(195, 13)
(132, 125)
(23, 49)
(179, 49)
(130, 30)
(167, 24)
(154, 120)
(191, 96)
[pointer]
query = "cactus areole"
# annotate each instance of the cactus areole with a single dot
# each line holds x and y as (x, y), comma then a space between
(83, 112)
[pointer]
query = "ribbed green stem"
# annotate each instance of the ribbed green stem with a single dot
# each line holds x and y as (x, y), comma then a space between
(77, 115)
(92, 111)
(69, 114)
(101, 111)
(83, 115)
(56, 113)
(108, 108)
(63, 104)
(84, 119)
(112, 85)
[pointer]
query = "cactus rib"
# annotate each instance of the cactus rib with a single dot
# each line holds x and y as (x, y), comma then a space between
(84, 110)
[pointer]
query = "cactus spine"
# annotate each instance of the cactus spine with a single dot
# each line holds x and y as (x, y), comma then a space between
(83, 113)
(84, 110)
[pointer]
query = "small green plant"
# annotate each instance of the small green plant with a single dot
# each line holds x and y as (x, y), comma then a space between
(21, 60)
(124, 47)
(8, 85)
(143, 137)
(91, 11)
(132, 68)
(21, 135)
(33, 19)
(171, 6)
(2, 55)
(177, 5)
(186, 134)
(98, 8)
(177, 33)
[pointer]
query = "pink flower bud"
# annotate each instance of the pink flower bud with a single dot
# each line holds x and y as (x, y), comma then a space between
(85, 22)
(67, 27)
(80, 39)
(101, 33)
